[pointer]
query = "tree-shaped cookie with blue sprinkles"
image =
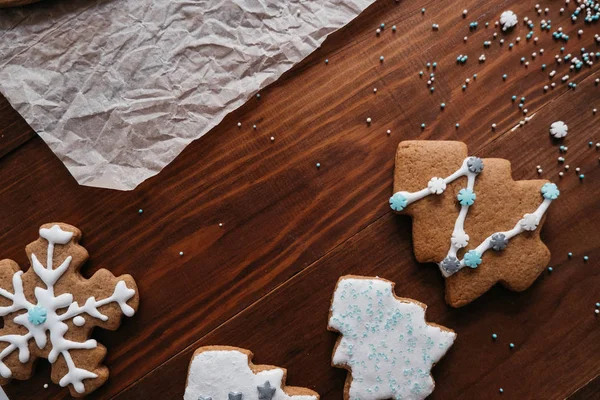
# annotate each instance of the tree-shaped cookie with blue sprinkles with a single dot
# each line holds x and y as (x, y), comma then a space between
(227, 373)
(471, 218)
(386, 345)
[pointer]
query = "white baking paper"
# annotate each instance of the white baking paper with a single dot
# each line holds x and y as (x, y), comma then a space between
(118, 88)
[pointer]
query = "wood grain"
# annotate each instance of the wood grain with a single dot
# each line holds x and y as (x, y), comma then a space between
(14, 131)
(264, 278)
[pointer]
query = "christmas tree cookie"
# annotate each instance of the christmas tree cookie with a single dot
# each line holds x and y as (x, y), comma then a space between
(50, 311)
(227, 373)
(470, 218)
(386, 344)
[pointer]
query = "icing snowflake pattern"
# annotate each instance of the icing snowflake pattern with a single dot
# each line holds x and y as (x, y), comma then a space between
(471, 168)
(386, 344)
(46, 317)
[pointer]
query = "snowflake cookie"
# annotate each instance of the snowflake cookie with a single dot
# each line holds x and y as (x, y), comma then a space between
(483, 229)
(50, 311)
(227, 373)
(386, 345)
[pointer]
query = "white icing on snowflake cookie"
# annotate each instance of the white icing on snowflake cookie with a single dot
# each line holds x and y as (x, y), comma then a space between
(227, 373)
(386, 344)
(559, 129)
(45, 312)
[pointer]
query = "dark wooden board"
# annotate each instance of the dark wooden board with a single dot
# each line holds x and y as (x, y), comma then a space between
(263, 280)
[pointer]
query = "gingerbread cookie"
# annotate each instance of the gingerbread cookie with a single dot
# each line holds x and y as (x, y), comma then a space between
(227, 373)
(471, 218)
(386, 344)
(50, 311)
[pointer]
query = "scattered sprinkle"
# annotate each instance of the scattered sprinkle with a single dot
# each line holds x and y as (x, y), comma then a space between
(140, 211)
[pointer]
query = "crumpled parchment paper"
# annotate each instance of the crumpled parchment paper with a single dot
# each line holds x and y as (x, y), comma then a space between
(118, 88)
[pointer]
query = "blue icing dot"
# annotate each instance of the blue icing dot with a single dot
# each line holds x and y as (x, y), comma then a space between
(472, 259)
(466, 197)
(398, 202)
(550, 191)
(37, 315)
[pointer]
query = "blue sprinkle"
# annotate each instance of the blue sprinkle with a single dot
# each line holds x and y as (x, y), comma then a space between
(514, 98)
(581, 176)
(327, 61)
(432, 89)
(443, 105)
(457, 125)
(422, 10)
(464, 87)
(422, 126)
(318, 165)
(597, 305)
(570, 255)
(420, 73)
(504, 76)
(543, 67)
(512, 345)
(494, 336)
(585, 258)
(474, 76)
(434, 64)
(522, 99)
(501, 390)
(550, 269)
(140, 211)
(382, 25)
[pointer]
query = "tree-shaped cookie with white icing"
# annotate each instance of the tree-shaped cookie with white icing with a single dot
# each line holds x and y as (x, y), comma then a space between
(386, 344)
(227, 373)
(50, 311)
(471, 218)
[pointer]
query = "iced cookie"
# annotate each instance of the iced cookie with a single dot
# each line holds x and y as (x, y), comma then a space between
(386, 345)
(50, 311)
(227, 373)
(470, 218)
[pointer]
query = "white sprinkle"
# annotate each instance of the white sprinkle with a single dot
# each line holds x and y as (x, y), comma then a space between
(181, 253)
(369, 120)
(239, 124)
(374, 90)
(493, 126)
(389, 132)
(577, 169)
(378, 31)
(45, 386)
(272, 138)
(561, 174)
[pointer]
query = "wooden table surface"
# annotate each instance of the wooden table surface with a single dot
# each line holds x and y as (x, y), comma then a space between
(264, 279)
